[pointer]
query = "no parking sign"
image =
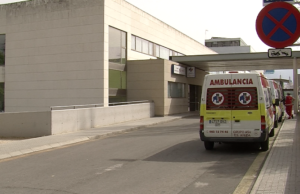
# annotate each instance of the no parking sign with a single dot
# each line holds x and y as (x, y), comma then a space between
(278, 24)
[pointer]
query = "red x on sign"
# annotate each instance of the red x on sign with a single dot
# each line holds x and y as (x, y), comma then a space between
(278, 24)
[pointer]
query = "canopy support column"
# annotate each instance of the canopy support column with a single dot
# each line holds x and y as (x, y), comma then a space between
(295, 83)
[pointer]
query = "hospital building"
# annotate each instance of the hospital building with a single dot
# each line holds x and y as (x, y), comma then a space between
(78, 52)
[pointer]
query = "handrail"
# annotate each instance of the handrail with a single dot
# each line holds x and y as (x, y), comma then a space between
(75, 106)
(95, 105)
(130, 102)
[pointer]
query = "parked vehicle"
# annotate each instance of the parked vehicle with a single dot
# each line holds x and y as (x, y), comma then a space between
(236, 108)
(277, 101)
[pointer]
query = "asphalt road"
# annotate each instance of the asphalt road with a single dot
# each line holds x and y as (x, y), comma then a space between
(167, 158)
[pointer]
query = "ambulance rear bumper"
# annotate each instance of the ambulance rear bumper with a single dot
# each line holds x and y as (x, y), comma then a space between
(262, 138)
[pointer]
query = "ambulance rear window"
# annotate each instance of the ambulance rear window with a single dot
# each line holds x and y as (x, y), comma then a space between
(245, 98)
(218, 99)
(232, 99)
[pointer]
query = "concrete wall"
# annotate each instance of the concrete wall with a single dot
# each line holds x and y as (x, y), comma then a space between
(145, 81)
(148, 80)
(54, 54)
(64, 121)
(37, 124)
(25, 124)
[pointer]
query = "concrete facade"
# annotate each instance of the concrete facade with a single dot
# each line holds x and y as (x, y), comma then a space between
(54, 54)
(57, 51)
(154, 76)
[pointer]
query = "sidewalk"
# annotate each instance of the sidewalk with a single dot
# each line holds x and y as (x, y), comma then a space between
(281, 170)
(12, 148)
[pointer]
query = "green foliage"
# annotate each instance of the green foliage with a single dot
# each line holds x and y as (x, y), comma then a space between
(2, 58)
(1, 90)
(1, 97)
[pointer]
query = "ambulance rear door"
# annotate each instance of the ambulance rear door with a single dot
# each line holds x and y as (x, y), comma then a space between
(217, 121)
(246, 117)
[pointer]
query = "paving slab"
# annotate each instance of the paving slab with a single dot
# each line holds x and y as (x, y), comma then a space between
(281, 170)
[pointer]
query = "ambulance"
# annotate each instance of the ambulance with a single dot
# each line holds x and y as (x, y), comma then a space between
(277, 101)
(236, 107)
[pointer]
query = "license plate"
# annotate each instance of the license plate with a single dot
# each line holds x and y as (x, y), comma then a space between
(217, 122)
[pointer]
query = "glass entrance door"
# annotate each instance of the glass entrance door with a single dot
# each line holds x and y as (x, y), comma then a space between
(194, 97)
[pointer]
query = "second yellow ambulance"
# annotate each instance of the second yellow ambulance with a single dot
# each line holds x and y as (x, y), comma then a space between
(236, 107)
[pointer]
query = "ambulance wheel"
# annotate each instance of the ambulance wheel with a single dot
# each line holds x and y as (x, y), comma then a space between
(209, 145)
(265, 145)
(272, 133)
(275, 123)
(280, 118)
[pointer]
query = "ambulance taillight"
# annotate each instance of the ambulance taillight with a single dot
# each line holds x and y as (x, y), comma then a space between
(201, 123)
(263, 122)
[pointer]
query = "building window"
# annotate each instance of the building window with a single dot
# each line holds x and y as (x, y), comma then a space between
(150, 48)
(145, 46)
(133, 42)
(117, 86)
(117, 60)
(176, 90)
(208, 44)
(223, 43)
(2, 49)
(117, 46)
(164, 52)
(236, 43)
(117, 79)
(138, 45)
(1, 97)
(156, 50)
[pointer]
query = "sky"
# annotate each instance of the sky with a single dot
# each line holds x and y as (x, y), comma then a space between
(203, 19)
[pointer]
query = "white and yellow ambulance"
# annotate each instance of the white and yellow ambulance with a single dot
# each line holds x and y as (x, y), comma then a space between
(277, 100)
(236, 107)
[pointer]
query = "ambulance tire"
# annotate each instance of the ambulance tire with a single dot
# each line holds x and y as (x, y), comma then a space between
(272, 133)
(280, 119)
(264, 145)
(275, 123)
(209, 145)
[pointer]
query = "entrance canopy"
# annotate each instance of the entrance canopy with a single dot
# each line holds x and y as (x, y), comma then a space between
(238, 62)
(244, 62)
